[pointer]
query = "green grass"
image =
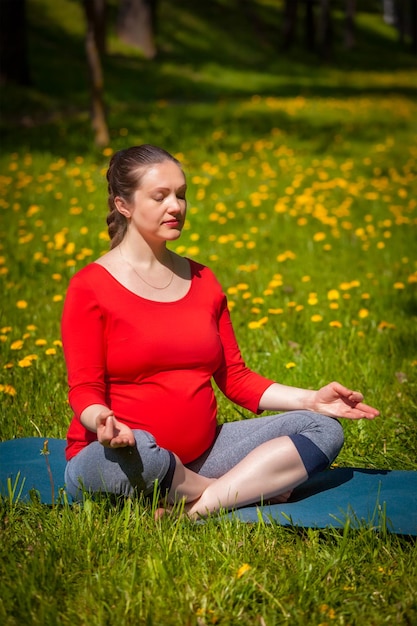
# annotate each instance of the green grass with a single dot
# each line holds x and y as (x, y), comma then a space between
(303, 200)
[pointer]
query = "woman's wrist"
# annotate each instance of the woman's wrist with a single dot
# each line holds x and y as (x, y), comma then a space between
(278, 397)
(89, 417)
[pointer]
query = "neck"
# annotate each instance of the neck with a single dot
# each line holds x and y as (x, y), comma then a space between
(141, 252)
(145, 271)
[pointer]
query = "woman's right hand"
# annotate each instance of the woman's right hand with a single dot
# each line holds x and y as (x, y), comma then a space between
(111, 433)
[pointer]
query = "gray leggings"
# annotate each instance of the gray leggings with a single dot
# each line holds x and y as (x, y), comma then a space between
(130, 471)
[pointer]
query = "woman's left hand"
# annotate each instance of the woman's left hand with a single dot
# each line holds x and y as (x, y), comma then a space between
(338, 401)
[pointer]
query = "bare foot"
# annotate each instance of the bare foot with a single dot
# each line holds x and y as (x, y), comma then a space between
(282, 498)
(161, 512)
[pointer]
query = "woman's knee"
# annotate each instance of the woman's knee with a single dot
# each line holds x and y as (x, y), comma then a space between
(332, 438)
(119, 471)
(326, 432)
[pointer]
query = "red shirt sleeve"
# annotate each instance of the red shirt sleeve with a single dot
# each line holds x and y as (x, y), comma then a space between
(239, 383)
(83, 344)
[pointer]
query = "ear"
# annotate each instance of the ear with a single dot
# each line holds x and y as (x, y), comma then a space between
(122, 206)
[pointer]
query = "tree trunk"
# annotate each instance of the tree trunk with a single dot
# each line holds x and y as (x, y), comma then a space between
(136, 25)
(325, 30)
(14, 66)
(290, 23)
(310, 26)
(93, 9)
(413, 23)
(350, 24)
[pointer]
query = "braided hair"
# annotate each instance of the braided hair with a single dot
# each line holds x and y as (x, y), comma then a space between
(124, 174)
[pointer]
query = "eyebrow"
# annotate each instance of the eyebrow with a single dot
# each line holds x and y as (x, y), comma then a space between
(169, 188)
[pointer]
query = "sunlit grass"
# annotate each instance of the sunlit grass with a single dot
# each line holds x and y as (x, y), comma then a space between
(314, 247)
(302, 198)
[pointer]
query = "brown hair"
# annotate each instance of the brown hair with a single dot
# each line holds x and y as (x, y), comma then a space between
(124, 175)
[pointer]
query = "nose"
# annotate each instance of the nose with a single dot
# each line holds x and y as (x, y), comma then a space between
(175, 205)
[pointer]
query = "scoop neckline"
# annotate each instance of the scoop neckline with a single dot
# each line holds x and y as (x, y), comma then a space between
(185, 296)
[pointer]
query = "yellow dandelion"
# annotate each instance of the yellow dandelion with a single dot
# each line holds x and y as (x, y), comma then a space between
(319, 236)
(107, 152)
(316, 318)
(242, 570)
(57, 298)
(21, 304)
(399, 286)
(335, 324)
(50, 351)
(32, 210)
(333, 294)
(290, 365)
(40, 342)
(17, 345)
(25, 362)
(383, 325)
(276, 311)
(8, 389)
(363, 313)
(58, 343)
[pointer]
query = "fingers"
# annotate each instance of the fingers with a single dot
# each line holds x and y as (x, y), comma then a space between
(105, 429)
(369, 411)
(362, 411)
(113, 434)
(352, 396)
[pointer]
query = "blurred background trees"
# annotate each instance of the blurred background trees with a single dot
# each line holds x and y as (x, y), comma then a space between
(310, 25)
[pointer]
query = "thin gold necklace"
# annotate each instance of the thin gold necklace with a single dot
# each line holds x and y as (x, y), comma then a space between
(143, 279)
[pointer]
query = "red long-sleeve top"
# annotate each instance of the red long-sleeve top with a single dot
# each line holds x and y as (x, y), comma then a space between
(152, 362)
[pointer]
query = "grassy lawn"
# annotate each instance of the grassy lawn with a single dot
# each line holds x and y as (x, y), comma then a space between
(302, 199)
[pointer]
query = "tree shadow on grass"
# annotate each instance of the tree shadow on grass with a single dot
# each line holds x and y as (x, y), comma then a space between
(209, 51)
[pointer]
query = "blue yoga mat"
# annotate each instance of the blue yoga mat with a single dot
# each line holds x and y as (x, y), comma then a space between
(24, 467)
(379, 498)
(383, 499)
